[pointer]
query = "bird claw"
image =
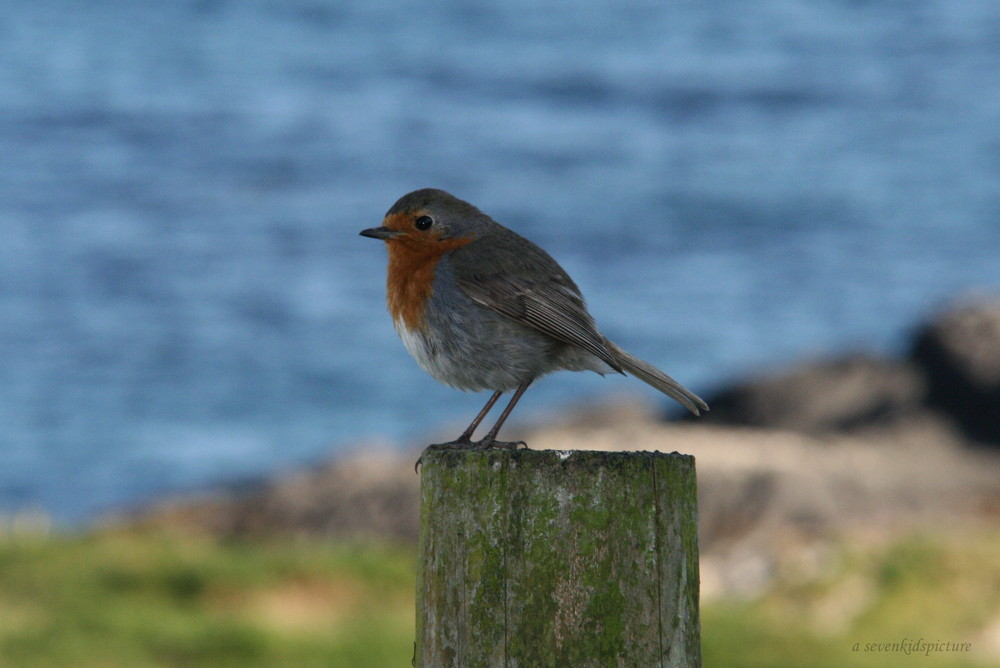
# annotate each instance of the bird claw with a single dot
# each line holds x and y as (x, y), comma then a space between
(457, 444)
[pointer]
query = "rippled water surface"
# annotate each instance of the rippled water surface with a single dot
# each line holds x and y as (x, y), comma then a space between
(184, 297)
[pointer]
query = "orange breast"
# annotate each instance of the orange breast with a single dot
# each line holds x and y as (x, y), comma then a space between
(413, 259)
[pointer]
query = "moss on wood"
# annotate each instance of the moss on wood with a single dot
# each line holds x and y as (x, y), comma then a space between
(549, 558)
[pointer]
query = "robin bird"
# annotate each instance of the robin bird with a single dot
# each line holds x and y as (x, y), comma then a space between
(482, 308)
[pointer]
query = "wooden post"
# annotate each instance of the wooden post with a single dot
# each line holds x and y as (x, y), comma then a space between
(557, 558)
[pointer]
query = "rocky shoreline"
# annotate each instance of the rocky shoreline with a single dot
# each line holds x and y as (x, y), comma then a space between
(951, 374)
(843, 445)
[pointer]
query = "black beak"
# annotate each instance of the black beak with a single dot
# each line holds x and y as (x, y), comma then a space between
(383, 233)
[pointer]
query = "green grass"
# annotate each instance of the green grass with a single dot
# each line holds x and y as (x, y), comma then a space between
(153, 599)
(921, 587)
(148, 599)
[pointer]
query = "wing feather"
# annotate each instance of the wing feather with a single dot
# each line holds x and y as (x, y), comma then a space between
(550, 306)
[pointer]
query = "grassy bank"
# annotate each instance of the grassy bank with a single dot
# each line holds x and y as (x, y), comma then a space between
(870, 606)
(149, 599)
(141, 598)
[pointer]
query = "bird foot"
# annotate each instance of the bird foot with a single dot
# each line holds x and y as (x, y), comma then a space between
(468, 444)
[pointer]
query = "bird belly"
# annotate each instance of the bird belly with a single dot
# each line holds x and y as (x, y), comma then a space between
(424, 352)
(484, 355)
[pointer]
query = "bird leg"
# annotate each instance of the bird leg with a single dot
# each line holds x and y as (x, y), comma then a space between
(466, 436)
(465, 440)
(490, 440)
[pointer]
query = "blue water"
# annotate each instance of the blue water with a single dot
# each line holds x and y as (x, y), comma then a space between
(184, 297)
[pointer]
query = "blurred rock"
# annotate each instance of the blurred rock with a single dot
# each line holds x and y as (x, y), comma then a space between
(824, 396)
(959, 352)
(360, 496)
(761, 493)
(751, 482)
(952, 374)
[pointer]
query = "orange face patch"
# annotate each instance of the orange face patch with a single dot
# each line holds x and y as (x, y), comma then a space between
(413, 257)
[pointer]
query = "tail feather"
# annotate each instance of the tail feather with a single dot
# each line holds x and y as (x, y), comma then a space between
(648, 373)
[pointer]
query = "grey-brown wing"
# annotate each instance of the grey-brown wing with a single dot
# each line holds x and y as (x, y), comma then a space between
(549, 306)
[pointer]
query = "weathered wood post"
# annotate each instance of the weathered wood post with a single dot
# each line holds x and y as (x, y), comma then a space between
(557, 558)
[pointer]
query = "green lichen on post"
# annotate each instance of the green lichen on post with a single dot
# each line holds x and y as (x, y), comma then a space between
(557, 558)
(460, 495)
(678, 527)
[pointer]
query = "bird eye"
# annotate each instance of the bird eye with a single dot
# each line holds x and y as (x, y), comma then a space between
(423, 222)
